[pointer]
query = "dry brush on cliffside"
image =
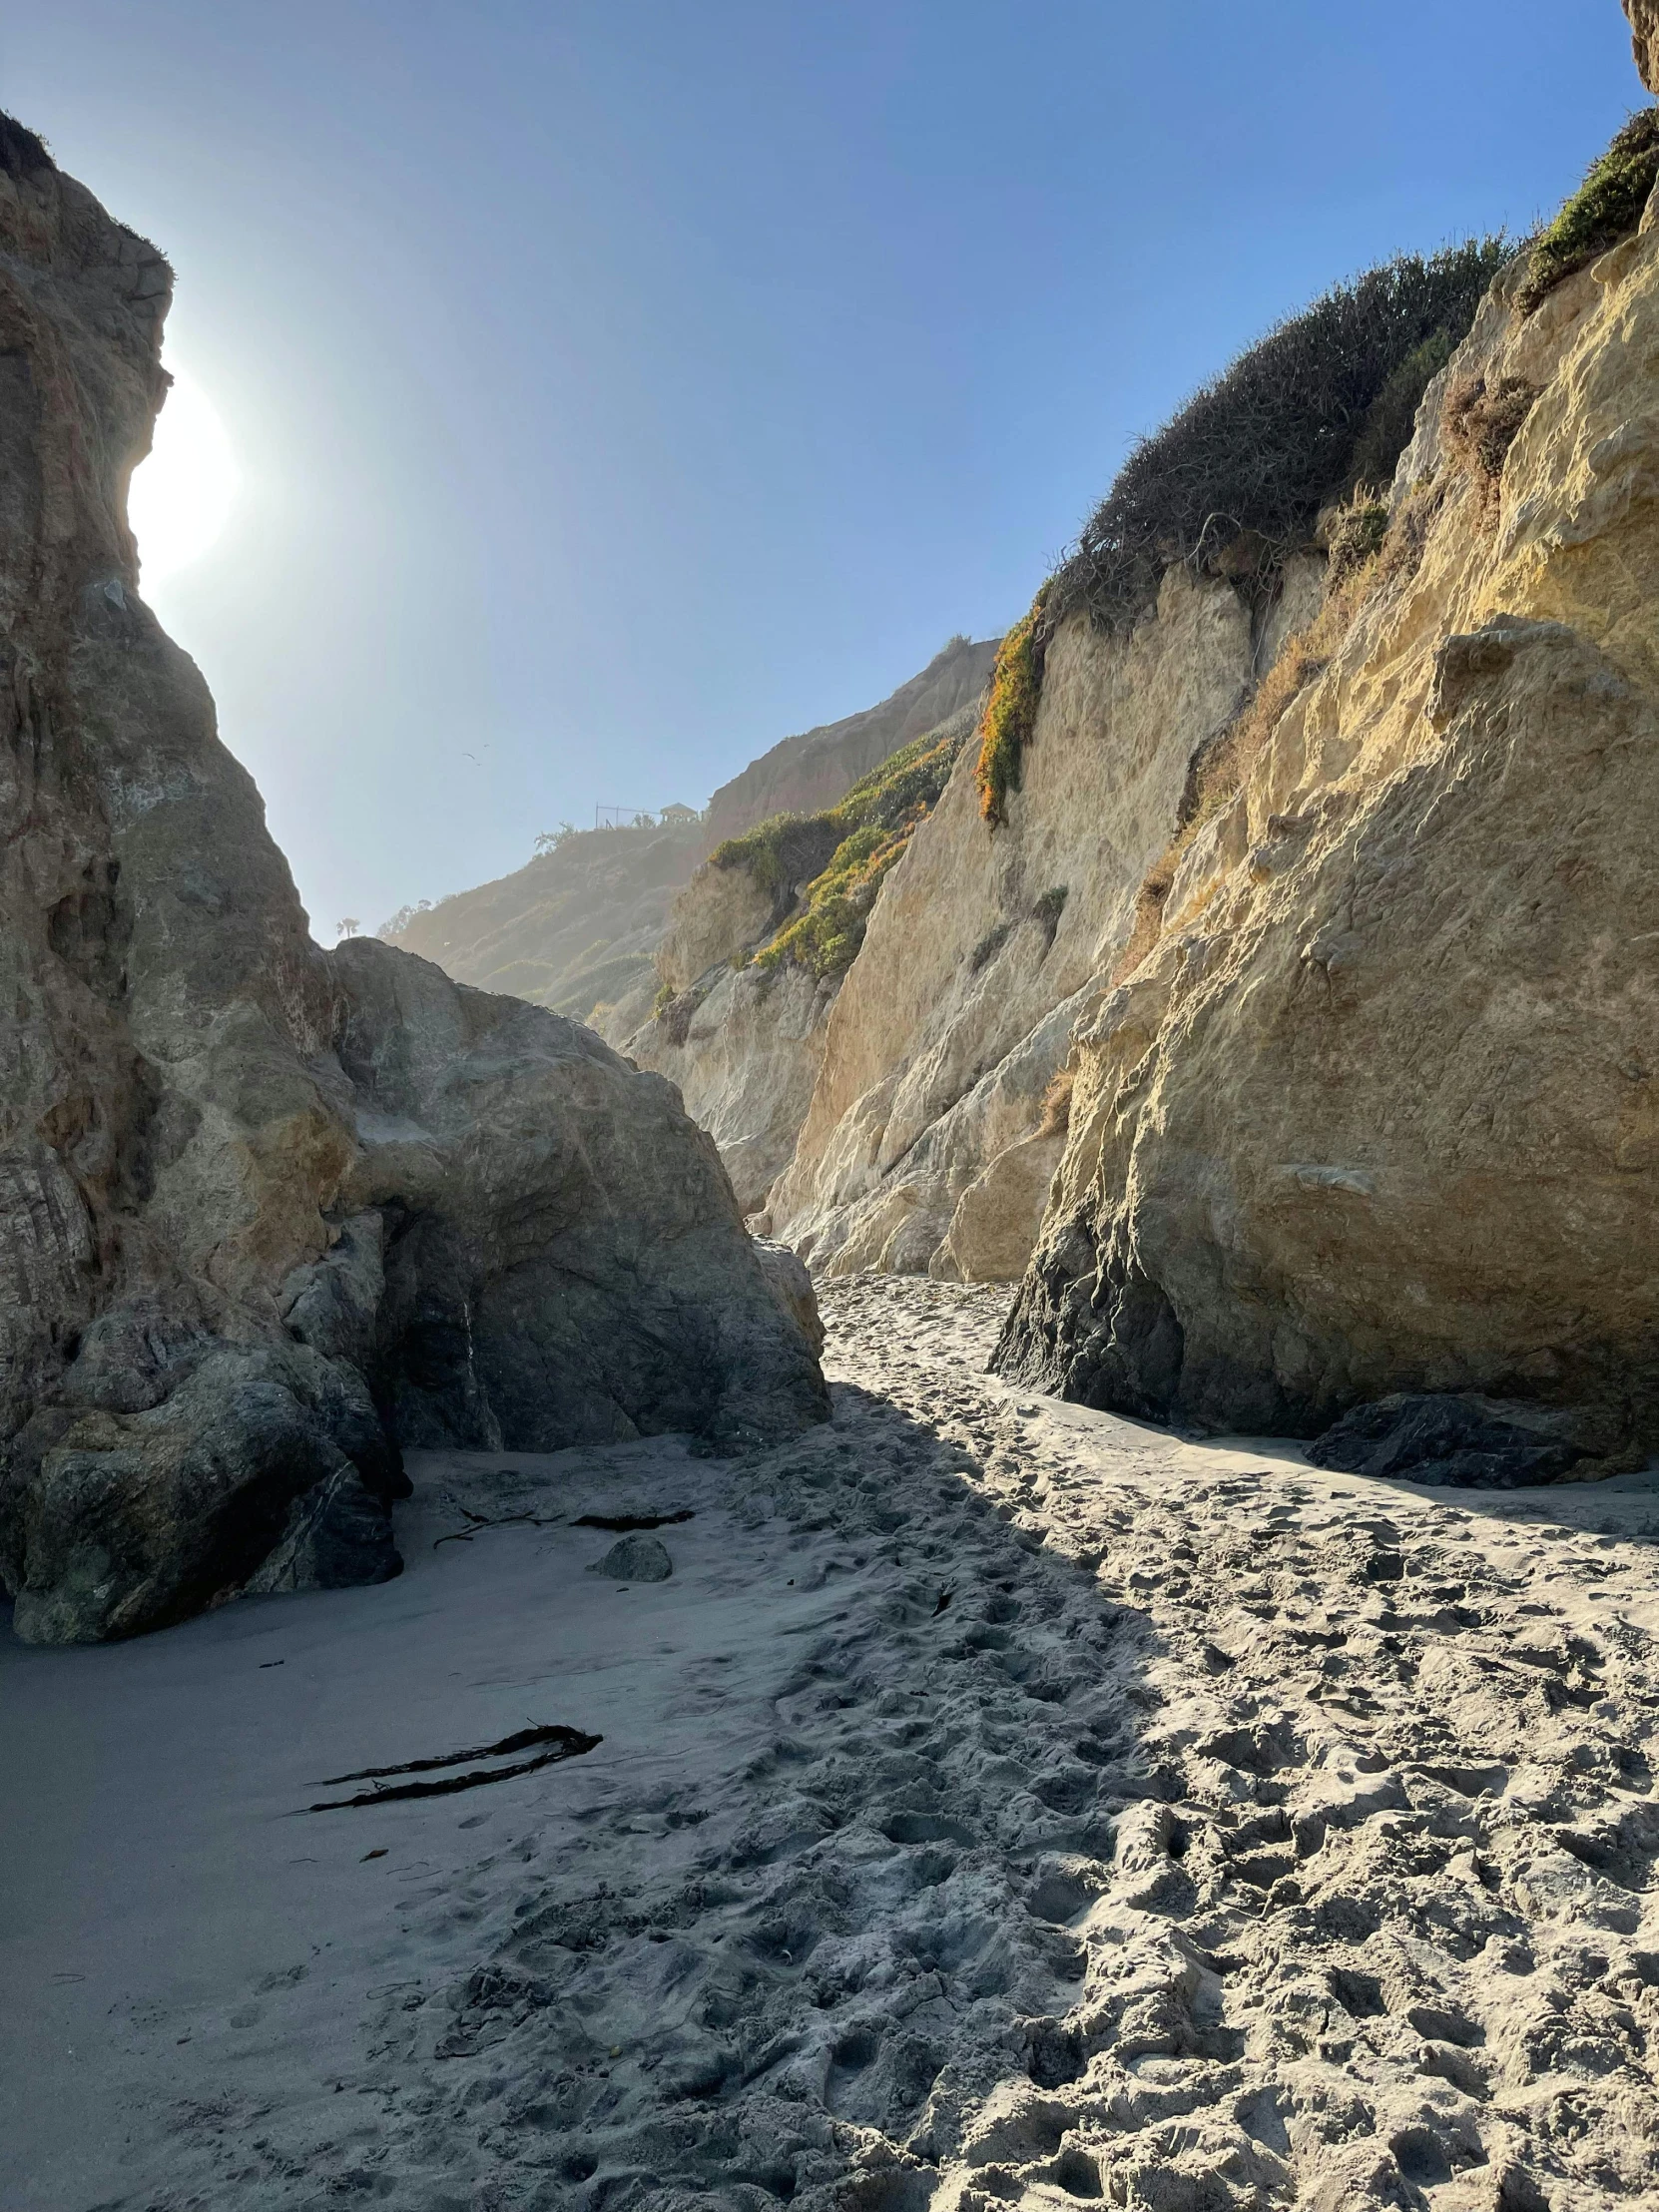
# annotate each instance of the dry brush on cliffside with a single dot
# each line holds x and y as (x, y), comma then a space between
(1235, 482)
(871, 828)
(263, 1211)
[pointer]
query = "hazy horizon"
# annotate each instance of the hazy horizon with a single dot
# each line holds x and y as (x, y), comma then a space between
(607, 393)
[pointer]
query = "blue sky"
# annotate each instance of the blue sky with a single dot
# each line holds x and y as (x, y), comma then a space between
(619, 386)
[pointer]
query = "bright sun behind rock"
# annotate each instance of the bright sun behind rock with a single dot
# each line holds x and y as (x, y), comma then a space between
(183, 493)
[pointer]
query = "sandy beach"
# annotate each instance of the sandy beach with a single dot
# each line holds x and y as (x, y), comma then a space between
(1000, 1803)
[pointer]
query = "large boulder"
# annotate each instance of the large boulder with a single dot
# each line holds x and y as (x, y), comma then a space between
(266, 1212)
(124, 1520)
(559, 1255)
(1422, 1437)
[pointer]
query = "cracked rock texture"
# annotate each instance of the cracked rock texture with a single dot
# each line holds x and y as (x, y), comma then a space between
(1644, 39)
(745, 1043)
(741, 1044)
(1377, 1108)
(744, 1054)
(266, 1212)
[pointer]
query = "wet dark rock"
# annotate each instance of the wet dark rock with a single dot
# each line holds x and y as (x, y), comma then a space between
(1431, 1437)
(634, 1559)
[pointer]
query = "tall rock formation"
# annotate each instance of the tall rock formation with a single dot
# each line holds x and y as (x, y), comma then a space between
(266, 1212)
(942, 1100)
(1375, 1107)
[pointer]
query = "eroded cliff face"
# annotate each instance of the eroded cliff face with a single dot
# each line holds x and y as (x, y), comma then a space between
(934, 1128)
(1379, 1108)
(746, 1058)
(742, 1043)
(759, 944)
(263, 1211)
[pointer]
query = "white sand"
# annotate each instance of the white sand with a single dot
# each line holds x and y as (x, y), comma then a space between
(1236, 1836)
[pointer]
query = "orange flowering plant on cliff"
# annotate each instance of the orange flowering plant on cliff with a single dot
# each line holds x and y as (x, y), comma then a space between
(1011, 709)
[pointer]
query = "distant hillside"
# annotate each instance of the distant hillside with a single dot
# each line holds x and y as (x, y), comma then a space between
(802, 774)
(577, 928)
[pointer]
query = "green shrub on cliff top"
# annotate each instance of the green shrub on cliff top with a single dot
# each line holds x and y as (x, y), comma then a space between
(866, 833)
(1239, 476)
(780, 852)
(1392, 415)
(1607, 208)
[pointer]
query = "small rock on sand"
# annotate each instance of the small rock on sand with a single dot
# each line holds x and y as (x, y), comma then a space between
(635, 1559)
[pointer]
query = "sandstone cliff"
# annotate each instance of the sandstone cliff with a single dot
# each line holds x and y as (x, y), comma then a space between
(928, 1144)
(1644, 39)
(744, 1057)
(264, 1212)
(940, 1111)
(1375, 1106)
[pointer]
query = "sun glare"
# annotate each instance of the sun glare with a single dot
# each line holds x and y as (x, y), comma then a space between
(182, 495)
